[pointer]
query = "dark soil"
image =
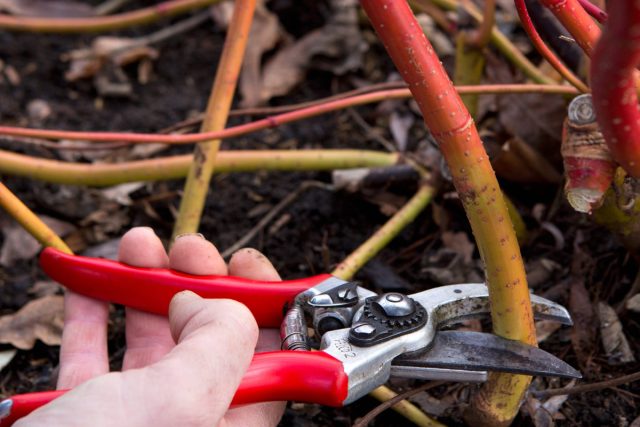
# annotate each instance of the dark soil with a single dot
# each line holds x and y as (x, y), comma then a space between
(322, 226)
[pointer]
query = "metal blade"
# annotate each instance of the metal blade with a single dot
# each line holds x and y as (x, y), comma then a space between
(477, 351)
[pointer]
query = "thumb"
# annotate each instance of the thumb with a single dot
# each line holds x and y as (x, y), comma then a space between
(190, 386)
(215, 344)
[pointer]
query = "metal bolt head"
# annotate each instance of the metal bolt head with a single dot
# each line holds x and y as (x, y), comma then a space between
(363, 330)
(396, 305)
(393, 297)
(320, 300)
(581, 111)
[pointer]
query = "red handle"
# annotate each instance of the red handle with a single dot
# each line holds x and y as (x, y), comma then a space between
(313, 377)
(151, 289)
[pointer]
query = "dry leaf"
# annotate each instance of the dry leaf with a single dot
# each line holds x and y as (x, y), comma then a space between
(459, 243)
(583, 338)
(399, 125)
(47, 8)
(120, 193)
(633, 303)
(544, 414)
(6, 356)
(544, 329)
(614, 341)
(265, 34)
(40, 319)
(19, 244)
(340, 39)
(519, 162)
(115, 51)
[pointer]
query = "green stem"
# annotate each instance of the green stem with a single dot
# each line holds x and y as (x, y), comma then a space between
(102, 175)
(218, 107)
(96, 24)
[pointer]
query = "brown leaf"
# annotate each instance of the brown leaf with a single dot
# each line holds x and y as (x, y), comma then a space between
(613, 338)
(583, 335)
(116, 51)
(19, 244)
(47, 8)
(519, 162)
(40, 319)
(265, 34)
(459, 243)
(340, 39)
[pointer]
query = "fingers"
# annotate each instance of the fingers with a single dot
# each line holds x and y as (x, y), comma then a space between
(83, 353)
(148, 337)
(252, 264)
(192, 254)
(192, 385)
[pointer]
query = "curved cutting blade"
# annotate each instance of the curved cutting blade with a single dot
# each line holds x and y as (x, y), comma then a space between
(477, 351)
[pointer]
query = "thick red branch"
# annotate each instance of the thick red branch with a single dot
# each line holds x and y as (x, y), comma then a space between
(613, 78)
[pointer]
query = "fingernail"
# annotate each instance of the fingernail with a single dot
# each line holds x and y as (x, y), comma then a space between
(179, 236)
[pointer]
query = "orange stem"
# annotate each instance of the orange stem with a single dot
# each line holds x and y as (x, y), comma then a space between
(270, 122)
(100, 23)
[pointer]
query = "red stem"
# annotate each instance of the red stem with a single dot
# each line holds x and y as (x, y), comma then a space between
(268, 122)
(593, 10)
(542, 48)
(613, 77)
(577, 21)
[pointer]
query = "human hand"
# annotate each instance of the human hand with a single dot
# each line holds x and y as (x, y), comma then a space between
(190, 383)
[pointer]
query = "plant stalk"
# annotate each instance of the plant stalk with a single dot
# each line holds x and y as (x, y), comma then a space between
(30, 221)
(451, 125)
(199, 176)
(350, 265)
(542, 48)
(577, 21)
(501, 42)
(273, 121)
(97, 24)
(613, 76)
(164, 168)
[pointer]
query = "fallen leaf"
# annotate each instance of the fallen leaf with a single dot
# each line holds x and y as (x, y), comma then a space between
(583, 338)
(614, 341)
(47, 8)
(115, 51)
(265, 33)
(544, 414)
(520, 162)
(340, 39)
(40, 319)
(6, 356)
(399, 125)
(19, 244)
(459, 243)
(545, 328)
(633, 303)
(120, 193)
(43, 288)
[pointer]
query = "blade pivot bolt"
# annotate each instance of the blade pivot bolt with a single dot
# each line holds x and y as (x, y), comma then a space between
(363, 330)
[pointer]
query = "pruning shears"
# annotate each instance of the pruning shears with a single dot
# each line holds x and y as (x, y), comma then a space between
(364, 338)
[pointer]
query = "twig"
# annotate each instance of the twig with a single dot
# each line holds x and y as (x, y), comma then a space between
(542, 48)
(109, 6)
(364, 421)
(587, 388)
(218, 107)
(30, 221)
(272, 214)
(101, 23)
(273, 121)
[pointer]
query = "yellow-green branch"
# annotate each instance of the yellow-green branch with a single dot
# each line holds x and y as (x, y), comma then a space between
(347, 268)
(30, 221)
(104, 174)
(215, 118)
(96, 24)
